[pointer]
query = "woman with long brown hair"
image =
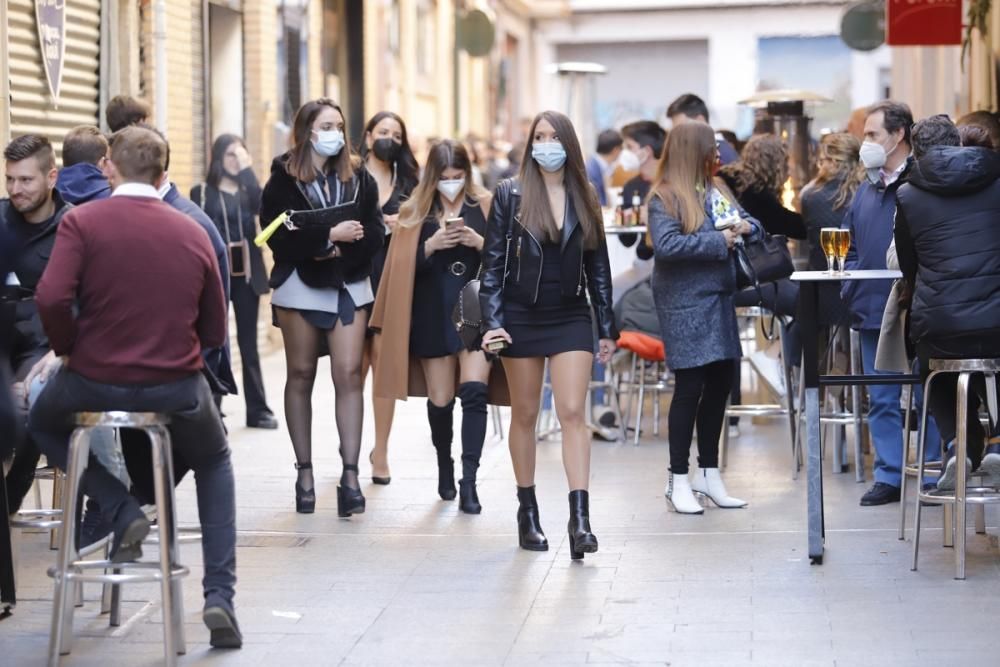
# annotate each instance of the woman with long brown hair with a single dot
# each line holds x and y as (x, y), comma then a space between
(695, 221)
(758, 180)
(825, 201)
(322, 286)
(545, 248)
(436, 252)
(389, 158)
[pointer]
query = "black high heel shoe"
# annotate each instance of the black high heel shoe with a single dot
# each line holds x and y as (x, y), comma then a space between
(305, 499)
(529, 526)
(581, 540)
(381, 481)
(349, 501)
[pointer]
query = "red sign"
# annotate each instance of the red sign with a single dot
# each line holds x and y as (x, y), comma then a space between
(923, 22)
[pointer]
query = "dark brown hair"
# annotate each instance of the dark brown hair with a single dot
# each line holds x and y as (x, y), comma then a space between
(84, 143)
(425, 198)
(300, 163)
(763, 166)
(407, 169)
(975, 135)
(987, 121)
(125, 110)
(31, 145)
(536, 212)
(139, 154)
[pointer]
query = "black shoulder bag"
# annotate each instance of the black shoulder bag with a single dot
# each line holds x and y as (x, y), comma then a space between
(468, 315)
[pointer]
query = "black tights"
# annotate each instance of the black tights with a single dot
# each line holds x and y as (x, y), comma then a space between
(302, 349)
(699, 397)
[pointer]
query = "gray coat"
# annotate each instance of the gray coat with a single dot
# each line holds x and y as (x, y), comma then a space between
(694, 280)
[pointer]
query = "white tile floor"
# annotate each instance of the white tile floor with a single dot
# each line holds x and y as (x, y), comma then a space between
(413, 581)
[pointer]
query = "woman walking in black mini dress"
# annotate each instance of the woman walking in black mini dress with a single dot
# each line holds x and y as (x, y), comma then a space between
(389, 159)
(322, 286)
(545, 251)
(436, 253)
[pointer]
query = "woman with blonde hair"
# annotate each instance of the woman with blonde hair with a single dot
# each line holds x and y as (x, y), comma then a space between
(825, 201)
(545, 247)
(436, 252)
(695, 221)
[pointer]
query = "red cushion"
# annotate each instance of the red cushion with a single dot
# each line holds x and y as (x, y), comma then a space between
(647, 347)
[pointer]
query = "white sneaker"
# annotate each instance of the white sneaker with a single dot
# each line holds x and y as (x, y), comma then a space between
(708, 482)
(734, 430)
(680, 496)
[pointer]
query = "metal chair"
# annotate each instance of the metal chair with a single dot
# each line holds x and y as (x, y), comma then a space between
(955, 523)
(166, 569)
(648, 371)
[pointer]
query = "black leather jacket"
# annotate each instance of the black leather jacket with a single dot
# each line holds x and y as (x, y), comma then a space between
(508, 244)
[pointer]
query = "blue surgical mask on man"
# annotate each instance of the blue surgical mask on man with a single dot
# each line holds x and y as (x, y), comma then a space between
(328, 142)
(550, 155)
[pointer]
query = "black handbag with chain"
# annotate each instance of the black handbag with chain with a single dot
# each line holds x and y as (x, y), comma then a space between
(468, 314)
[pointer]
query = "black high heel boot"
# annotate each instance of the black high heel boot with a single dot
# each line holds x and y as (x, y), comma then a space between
(349, 501)
(474, 397)
(440, 419)
(529, 527)
(305, 499)
(581, 540)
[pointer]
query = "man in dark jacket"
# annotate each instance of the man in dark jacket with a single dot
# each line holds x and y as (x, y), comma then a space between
(82, 178)
(948, 245)
(885, 154)
(29, 218)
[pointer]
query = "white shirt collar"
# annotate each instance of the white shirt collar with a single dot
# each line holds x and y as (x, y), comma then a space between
(136, 190)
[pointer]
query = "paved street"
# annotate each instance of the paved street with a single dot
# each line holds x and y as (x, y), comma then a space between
(413, 581)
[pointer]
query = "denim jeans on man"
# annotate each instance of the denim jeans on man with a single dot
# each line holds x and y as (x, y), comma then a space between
(196, 435)
(885, 419)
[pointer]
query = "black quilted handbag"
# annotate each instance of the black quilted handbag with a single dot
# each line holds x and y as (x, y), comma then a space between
(468, 316)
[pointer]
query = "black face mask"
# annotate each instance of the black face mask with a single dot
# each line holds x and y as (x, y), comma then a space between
(386, 149)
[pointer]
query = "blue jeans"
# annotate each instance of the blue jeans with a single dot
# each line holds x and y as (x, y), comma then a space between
(885, 419)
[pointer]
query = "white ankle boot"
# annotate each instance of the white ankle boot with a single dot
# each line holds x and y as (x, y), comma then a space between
(679, 495)
(708, 482)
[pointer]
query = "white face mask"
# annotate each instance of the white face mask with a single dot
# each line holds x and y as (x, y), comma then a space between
(450, 189)
(629, 161)
(328, 142)
(874, 155)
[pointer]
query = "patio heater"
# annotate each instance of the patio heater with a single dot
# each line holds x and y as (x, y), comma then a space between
(579, 95)
(783, 114)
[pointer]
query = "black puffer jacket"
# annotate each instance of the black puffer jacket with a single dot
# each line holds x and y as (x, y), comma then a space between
(948, 242)
(300, 250)
(581, 268)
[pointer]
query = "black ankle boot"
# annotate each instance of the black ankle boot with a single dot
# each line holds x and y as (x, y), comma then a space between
(581, 540)
(529, 527)
(440, 419)
(349, 500)
(468, 499)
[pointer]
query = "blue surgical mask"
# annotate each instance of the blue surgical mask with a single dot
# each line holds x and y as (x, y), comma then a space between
(550, 155)
(328, 142)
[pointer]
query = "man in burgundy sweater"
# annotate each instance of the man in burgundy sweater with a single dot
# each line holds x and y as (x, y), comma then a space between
(131, 295)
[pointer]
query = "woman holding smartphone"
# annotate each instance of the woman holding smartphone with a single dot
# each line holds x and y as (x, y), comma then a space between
(436, 253)
(322, 286)
(544, 249)
(389, 159)
(695, 221)
(230, 196)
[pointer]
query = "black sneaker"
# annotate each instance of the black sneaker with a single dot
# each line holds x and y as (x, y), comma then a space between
(95, 524)
(131, 528)
(948, 478)
(880, 494)
(264, 420)
(221, 622)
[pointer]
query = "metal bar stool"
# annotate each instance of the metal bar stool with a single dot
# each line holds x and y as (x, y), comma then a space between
(166, 570)
(548, 426)
(648, 372)
(963, 495)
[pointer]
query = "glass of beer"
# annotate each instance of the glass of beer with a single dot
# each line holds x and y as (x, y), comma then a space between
(843, 244)
(827, 239)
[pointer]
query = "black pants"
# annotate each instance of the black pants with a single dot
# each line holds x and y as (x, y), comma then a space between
(196, 436)
(944, 392)
(26, 455)
(246, 305)
(699, 398)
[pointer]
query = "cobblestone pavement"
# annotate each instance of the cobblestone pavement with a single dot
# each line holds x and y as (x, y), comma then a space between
(414, 581)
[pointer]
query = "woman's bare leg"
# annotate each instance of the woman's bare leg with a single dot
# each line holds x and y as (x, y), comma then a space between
(524, 378)
(570, 373)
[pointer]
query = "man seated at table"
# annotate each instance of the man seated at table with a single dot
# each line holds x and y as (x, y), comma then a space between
(131, 296)
(948, 246)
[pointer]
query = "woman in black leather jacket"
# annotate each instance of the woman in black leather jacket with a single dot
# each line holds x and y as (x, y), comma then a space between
(322, 286)
(544, 248)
